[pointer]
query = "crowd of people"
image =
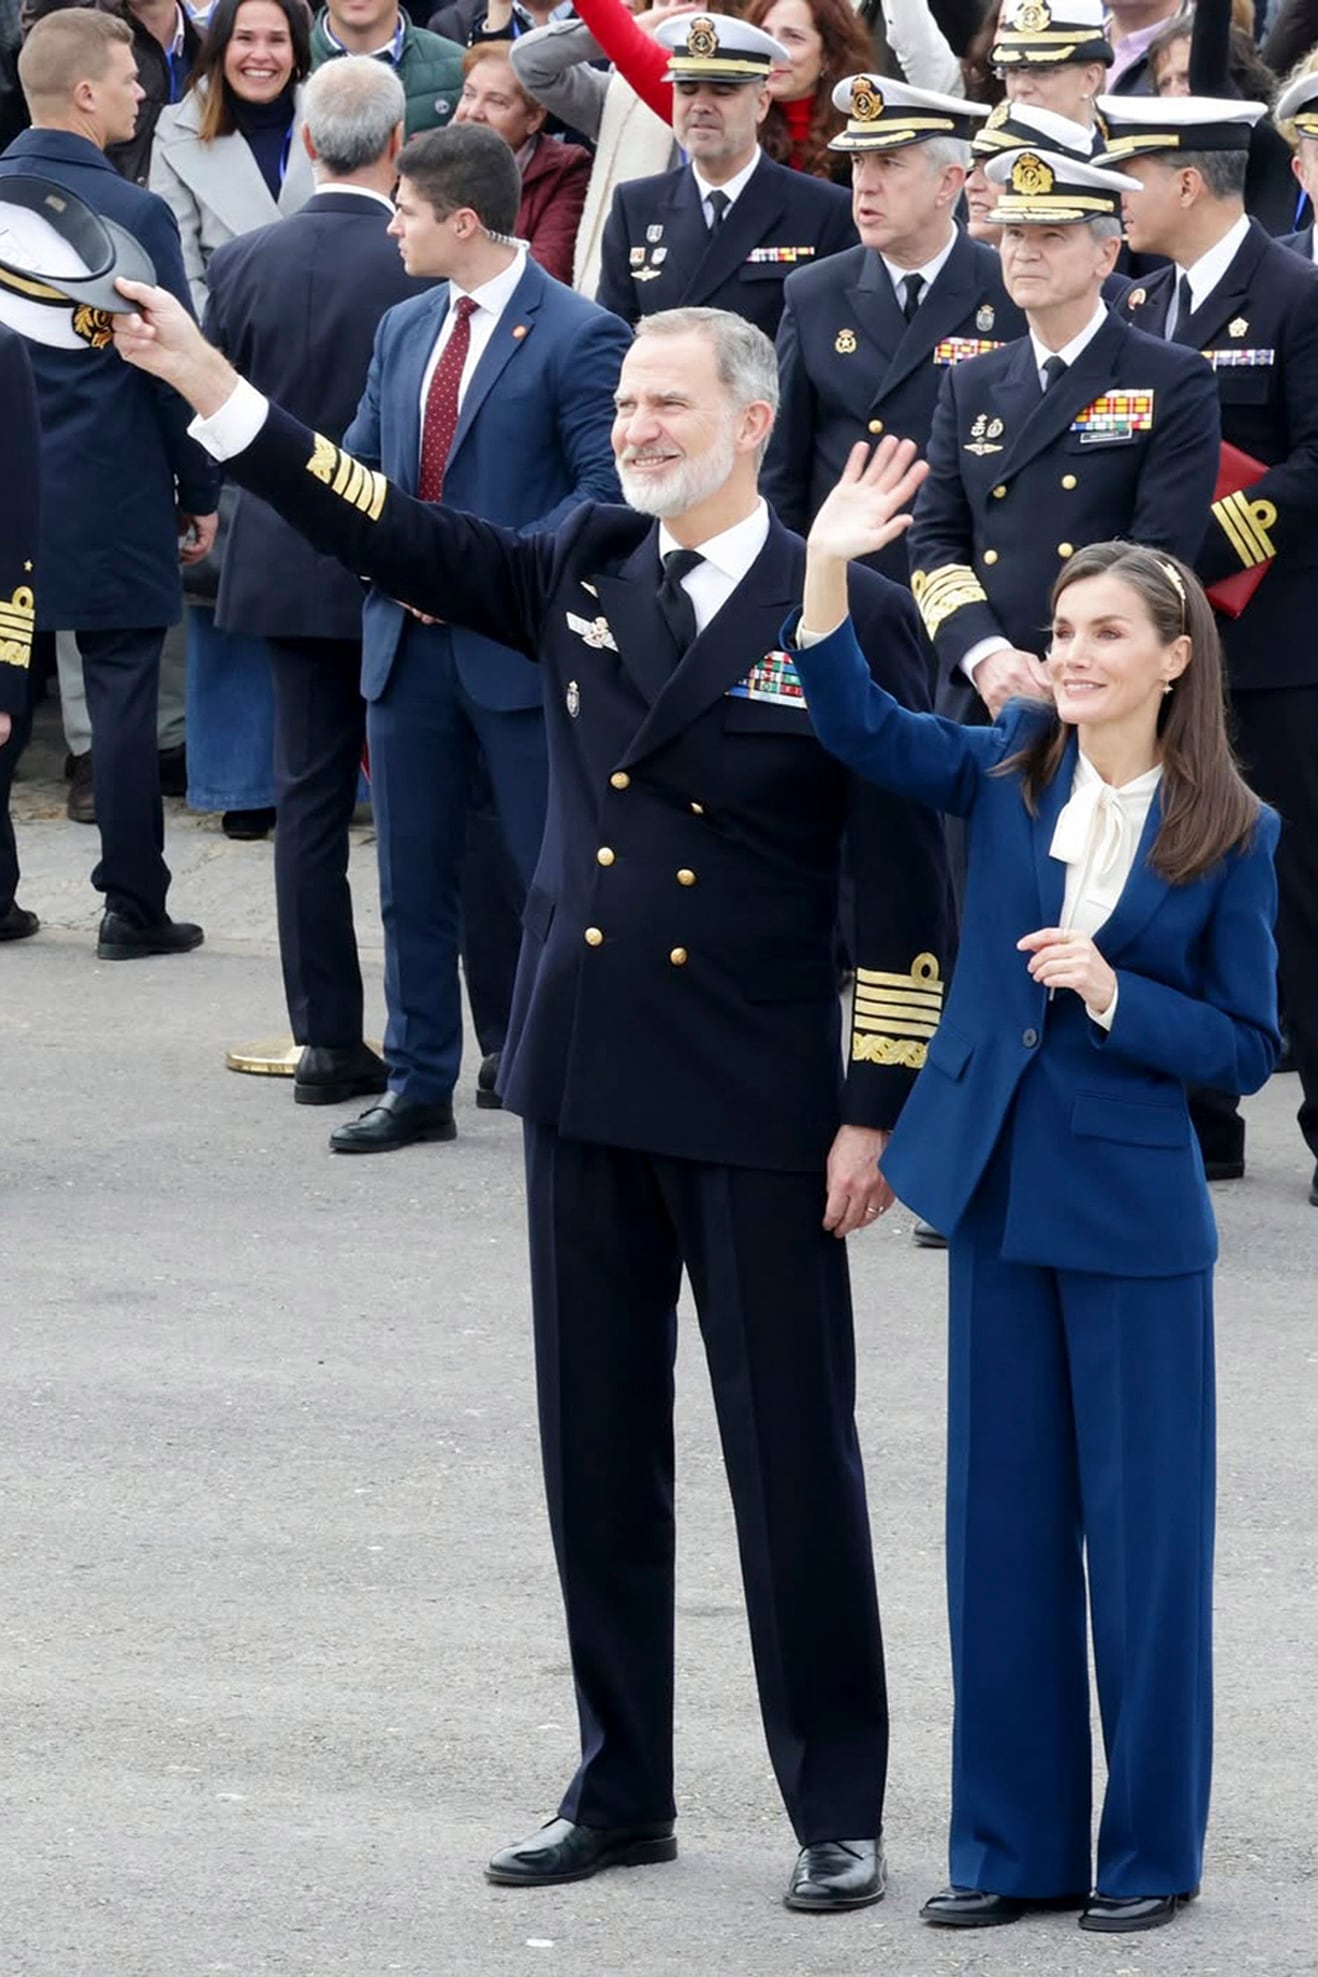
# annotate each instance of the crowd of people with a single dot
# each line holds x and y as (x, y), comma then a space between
(535, 342)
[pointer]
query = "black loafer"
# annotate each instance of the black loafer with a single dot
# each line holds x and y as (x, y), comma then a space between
(396, 1121)
(1313, 1189)
(561, 1851)
(977, 1908)
(330, 1076)
(1115, 1915)
(121, 939)
(16, 923)
(487, 1098)
(837, 1874)
(1224, 1170)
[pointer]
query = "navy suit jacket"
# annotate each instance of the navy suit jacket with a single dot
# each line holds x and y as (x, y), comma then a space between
(1018, 480)
(1106, 1174)
(114, 445)
(295, 307)
(680, 994)
(20, 519)
(532, 442)
(658, 253)
(852, 368)
(1259, 330)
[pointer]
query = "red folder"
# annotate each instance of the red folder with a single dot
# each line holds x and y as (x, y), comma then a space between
(1236, 470)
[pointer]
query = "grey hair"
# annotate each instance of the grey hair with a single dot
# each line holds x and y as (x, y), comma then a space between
(1223, 172)
(352, 107)
(744, 358)
(1105, 226)
(940, 151)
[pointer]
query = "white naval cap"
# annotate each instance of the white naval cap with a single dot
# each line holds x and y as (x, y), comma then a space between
(59, 260)
(1013, 125)
(1050, 188)
(1044, 34)
(718, 48)
(1298, 105)
(881, 114)
(1139, 126)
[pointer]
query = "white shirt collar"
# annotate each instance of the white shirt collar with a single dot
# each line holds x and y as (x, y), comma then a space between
(357, 191)
(1099, 826)
(929, 269)
(179, 44)
(733, 550)
(1208, 270)
(1078, 344)
(496, 293)
(734, 187)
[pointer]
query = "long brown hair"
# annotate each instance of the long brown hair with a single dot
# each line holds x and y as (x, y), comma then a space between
(1207, 808)
(207, 80)
(847, 50)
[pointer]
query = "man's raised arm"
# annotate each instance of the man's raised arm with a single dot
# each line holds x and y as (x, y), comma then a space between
(446, 564)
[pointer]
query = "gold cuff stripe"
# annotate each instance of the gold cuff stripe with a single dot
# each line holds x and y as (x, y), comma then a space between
(924, 971)
(1248, 556)
(1246, 524)
(361, 487)
(887, 1026)
(908, 1009)
(15, 624)
(15, 652)
(906, 1052)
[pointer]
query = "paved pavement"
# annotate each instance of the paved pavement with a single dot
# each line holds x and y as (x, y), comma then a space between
(280, 1644)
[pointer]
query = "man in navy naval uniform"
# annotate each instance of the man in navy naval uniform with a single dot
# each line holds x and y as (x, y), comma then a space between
(20, 517)
(674, 1053)
(865, 337)
(727, 228)
(1079, 432)
(124, 482)
(1250, 306)
(1298, 106)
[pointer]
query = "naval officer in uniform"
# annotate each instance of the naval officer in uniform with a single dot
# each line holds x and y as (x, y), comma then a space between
(20, 517)
(1250, 306)
(1079, 432)
(727, 228)
(674, 1052)
(1298, 106)
(867, 336)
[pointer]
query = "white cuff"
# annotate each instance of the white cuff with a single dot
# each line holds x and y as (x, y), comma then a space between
(981, 650)
(1105, 1020)
(233, 428)
(805, 638)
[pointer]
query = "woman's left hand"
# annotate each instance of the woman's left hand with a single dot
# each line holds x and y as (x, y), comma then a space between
(1060, 957)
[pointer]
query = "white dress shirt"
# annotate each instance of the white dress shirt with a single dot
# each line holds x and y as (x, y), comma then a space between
(357, 191)
(491, 299)
(733, 187)
(728, 556)
(1068, 353)
(1096, 837)
(1205, 273)
(929, 269)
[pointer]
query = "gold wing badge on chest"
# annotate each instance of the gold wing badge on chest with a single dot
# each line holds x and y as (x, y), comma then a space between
(594, 631)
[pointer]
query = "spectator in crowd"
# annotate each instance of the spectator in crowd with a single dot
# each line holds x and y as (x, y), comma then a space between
(558, 65)
(1064, 76)
(166, 45)
(728, 228)
(429, 66)
(124, 481)
(554, 174)
(1206, 52)
(297, 305)
(13, 110)
(226, 158)
(1133, 26)
(1297, 116)
(20, 514)
(508, 20)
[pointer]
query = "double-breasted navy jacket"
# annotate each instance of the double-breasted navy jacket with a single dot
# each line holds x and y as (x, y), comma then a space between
(851, 367)
(1124, 444)
(677, 991)
(20, 519)
(1106, 1174)
(1259, 331)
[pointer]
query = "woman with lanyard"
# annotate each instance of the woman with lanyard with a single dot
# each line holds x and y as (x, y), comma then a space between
(1116, 945)
(227, 159)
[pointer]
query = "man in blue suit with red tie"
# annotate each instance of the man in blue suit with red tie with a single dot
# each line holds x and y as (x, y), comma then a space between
(494, 393)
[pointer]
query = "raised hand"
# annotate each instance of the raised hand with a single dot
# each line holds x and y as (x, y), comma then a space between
(870, 506)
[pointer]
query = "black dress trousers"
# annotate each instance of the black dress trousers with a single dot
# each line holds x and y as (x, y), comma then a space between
(611, 1231)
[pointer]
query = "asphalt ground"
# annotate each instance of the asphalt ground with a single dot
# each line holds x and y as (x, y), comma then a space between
(281, 1655)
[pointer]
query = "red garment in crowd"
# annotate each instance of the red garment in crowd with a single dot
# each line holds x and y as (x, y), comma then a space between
(554, 182)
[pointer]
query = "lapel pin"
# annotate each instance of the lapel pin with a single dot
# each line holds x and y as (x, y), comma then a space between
(1137, 298)
(1238, 327)
(845, 343)
(984, 318)
(519, 331)
(573, 699)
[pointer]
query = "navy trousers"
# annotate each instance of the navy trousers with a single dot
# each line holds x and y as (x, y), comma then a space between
(122, 674)
(1080, 1435)
(319, 725)
(20, 730)
(425, 733)
(610, 1232)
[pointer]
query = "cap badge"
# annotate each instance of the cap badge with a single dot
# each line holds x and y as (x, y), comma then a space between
(984, 318)
(1031, 177)
(845, 343)
(1237, 327)
(1137, 298)
(866, 100)
(702, 38)
(1034, 17)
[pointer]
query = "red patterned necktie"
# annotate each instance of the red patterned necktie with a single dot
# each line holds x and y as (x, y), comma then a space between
(441, 420)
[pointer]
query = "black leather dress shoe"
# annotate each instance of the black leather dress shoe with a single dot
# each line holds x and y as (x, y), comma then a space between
(837, 1874)
(1224, 1170)
(487, 1098)
(395, 1121)
(926, 1236)
(1114, 1915)
(16, 923)
(1313, 1189)
(561, 1851)
(331, 1076)
(976, 1908)
(247, 826)
(121, 939)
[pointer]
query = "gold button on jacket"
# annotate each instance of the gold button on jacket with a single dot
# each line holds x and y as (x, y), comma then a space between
(594, 938)
(1065, 549)
(605, 855)
(620, 779)
(685, 877)
(678, 957)
(990, 555)
(876, 427)
(1069, 480)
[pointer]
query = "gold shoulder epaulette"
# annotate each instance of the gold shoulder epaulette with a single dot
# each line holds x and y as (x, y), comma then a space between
(894, 1016)
(18, 615)
(342, 475)
(938, 593)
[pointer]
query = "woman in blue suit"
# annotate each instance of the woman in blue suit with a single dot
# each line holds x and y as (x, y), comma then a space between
(1116, 945)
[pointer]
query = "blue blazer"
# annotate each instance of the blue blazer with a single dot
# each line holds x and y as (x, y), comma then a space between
(532, 443)
(1106, 1174)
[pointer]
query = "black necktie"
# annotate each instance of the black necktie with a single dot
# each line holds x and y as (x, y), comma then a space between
(718, 205)
(1053, 368)
(679, 613)
(912, 286)
(1184, 305)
